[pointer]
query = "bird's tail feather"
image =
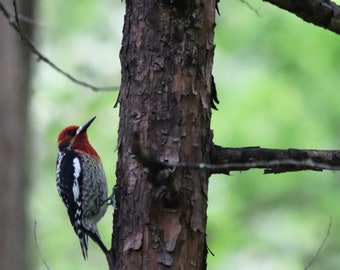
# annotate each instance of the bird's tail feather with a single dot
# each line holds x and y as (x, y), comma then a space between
(96, 238)
(84, 245)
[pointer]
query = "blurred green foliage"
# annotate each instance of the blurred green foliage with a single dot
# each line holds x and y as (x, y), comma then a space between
(277, 80)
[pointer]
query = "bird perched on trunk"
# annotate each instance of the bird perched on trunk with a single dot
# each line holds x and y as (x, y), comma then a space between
(81, 183)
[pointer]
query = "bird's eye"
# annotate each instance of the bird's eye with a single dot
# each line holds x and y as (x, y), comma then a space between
(72, 132)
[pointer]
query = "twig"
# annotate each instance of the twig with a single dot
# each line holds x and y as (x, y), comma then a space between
(37, 245)
(16, 16)
(322, 244)
(250, 7)
(34, 50)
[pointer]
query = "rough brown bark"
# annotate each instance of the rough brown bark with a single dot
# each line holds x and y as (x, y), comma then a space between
(14, 92)
(166, 57)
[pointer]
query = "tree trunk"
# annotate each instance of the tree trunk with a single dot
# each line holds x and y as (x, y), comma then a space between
(14, 78)
(166, 57)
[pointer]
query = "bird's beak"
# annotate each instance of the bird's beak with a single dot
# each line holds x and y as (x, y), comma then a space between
(84, 127)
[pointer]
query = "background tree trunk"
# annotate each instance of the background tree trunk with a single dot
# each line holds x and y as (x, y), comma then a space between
(14, 93)
(166, 58)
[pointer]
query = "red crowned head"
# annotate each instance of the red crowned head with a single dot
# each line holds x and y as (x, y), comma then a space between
(75, 137)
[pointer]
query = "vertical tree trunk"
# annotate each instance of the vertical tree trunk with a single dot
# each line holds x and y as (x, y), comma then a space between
(166, 57)
(14, 78)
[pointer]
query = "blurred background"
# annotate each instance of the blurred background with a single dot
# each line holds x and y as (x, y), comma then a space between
(277, 80)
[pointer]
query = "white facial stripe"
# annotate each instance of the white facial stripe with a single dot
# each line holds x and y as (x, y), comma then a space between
(78, 130)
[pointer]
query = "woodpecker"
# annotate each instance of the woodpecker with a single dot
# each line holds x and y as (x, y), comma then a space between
(81, 183)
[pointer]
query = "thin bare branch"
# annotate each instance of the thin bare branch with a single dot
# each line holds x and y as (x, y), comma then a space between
(250, 6)
(321, 246)
(324, 13)
(15, 25)
(37, 245)
(16, 16)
